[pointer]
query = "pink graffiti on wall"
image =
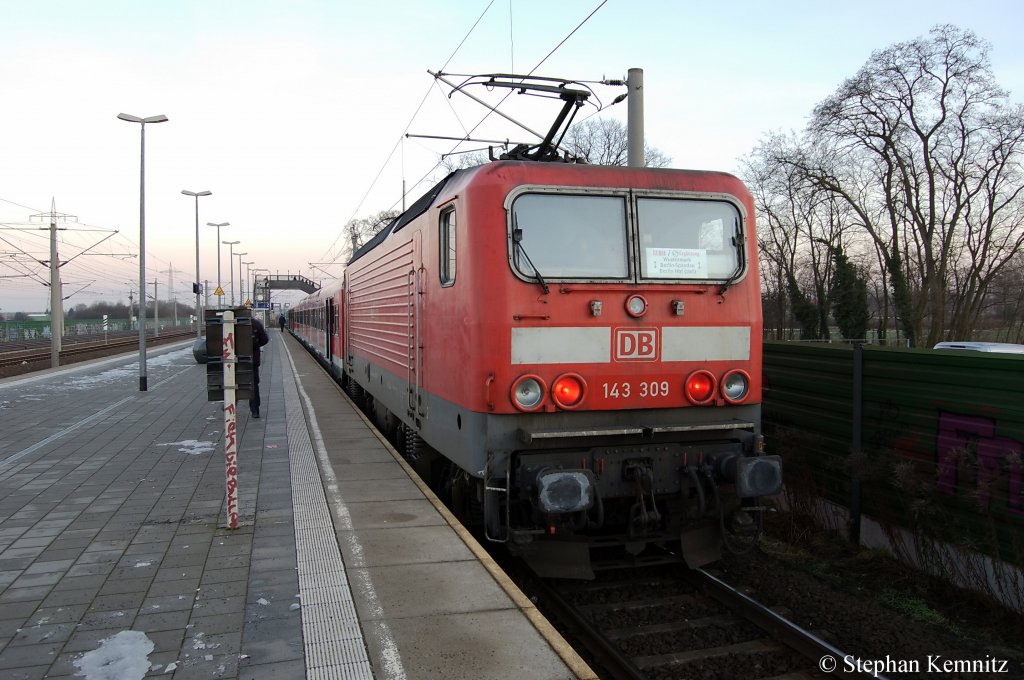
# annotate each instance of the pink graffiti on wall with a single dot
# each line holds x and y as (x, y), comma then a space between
(959, 433)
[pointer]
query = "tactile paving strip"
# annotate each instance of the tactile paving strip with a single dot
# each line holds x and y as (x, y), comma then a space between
(331, 636)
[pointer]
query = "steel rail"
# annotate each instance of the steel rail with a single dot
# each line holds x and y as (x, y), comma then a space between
(113, 346)
(780, 628)
(607, 655)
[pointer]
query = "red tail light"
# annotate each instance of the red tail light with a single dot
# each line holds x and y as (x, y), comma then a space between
(700, 387)
(568, 390)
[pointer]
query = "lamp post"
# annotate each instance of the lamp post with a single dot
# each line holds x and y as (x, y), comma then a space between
(231, 264)
(248, 281)
(241, 284)
(220, 298)
(143, 386)
(196, 285)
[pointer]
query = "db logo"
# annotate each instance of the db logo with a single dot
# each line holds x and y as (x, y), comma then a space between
(636, 344)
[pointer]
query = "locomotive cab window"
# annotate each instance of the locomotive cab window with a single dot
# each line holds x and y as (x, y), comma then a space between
(688, 239)
(446, 247)
(569, 236)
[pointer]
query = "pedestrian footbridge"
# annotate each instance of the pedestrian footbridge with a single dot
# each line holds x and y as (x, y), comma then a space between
(264, 284)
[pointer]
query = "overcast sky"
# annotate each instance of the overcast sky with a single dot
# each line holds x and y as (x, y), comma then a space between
(293, 113)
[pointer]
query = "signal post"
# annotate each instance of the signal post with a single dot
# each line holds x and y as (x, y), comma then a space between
(228, 379)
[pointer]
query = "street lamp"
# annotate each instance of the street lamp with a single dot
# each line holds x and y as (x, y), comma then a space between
(231, 264)
(143, 386)
(248, 281)
(220, 298)
(199, 307)
(241, 284)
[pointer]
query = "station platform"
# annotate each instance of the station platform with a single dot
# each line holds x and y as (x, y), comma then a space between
(115, 559)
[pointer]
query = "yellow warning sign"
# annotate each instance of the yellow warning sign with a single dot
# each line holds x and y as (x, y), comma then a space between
(248, 303)
(219, 291)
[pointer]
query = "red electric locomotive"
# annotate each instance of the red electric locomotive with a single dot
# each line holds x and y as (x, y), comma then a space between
(571, 352)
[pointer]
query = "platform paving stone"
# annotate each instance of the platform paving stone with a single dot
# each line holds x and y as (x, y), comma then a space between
(116, 522)
(286, 670)
(116, 620)
(41, 634)
(232, 622)
(111, 527)
(9, 627)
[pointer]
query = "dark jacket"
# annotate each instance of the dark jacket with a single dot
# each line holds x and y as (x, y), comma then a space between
(259, 338)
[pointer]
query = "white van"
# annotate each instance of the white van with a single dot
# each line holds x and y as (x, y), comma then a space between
(1004, 347)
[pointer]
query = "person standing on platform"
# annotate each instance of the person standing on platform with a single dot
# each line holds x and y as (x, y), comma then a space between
(282, 322)
(259, 338)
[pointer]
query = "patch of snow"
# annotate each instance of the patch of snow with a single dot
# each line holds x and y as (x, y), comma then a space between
(263, 601)
(124, 656)
(193, 447)
(113, 375)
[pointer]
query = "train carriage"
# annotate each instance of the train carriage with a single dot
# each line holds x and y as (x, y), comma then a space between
(316, 321)
(571, 353)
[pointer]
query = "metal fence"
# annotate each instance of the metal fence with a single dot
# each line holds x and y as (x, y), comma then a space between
(35, 329)
(916, 439)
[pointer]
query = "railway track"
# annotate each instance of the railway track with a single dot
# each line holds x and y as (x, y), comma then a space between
(662, 621)
(28, 359)
(67, 340)
(669, 622)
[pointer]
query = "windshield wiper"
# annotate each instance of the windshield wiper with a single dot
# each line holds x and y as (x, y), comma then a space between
(517, 239)
(737, 241)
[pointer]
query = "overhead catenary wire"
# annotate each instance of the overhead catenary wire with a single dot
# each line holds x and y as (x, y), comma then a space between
(534, 69)
(24, 271)
(531, 72)
(511, 41)
(391, 154)
(341, 234)
(29, 208)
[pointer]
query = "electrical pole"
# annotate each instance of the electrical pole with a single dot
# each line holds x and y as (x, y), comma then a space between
(171, 296)
(170, 291)
(156, 309)
(56, 304)
(635, 118)
(56, 294)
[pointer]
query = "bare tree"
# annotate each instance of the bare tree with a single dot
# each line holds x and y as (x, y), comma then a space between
(1005, 303)
(799, 227)
(777, 234)
(451, 162)
(926, 150)
(604, 141)
(594, 141)
(361, 230)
